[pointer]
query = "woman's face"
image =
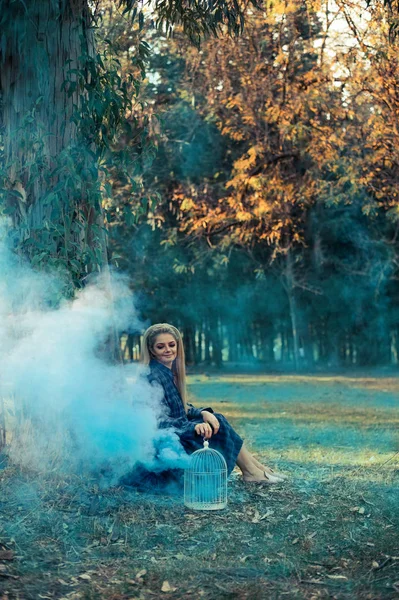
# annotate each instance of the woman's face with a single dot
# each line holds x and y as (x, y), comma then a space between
(165, 349)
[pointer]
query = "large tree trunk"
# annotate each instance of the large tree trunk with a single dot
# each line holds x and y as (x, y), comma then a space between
(50, 171)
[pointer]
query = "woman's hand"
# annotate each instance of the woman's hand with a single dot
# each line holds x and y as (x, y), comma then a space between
(211, 419)
(204, 429)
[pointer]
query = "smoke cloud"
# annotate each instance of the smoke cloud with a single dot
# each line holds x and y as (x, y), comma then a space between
(73, 410)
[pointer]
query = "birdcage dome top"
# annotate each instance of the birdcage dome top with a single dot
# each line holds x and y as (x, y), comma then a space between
(207, 459)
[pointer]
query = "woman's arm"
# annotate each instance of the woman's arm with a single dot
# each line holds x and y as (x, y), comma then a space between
(211, 420)
(206, 414)
(181, 425)
(196, 413)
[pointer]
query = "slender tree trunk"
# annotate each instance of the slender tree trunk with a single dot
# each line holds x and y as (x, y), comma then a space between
(129, 346)
(308, 345)
(342, 348)
(283, 344)
(270, 348)
(189, 344)
(395, 339)
(293, 306)
(232, 337)
(216, 347)
(208, 342)
(3, 433)
(249, 351)
(350, 349)
(198, 344)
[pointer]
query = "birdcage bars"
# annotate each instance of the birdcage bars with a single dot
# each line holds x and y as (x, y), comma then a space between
(205, 480)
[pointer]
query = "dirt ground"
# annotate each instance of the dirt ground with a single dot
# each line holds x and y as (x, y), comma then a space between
(331, 531)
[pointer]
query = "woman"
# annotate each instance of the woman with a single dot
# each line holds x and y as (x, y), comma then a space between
(163, 351)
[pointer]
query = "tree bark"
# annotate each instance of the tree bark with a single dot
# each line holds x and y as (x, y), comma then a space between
(43, 55)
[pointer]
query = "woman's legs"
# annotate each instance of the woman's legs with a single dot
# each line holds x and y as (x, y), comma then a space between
(251, 471)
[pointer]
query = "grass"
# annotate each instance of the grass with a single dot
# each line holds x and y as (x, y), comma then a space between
(330, 532)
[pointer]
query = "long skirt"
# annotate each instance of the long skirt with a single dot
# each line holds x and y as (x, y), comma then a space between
(226, 441)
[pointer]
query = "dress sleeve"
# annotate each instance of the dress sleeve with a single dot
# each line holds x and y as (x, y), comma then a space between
(182, 427)
(195, 413)
(180, 424)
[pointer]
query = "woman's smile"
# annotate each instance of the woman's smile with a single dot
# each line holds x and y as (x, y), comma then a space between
(165, 349)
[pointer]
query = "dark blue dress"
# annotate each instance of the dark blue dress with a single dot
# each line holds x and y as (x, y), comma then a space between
(226, 441)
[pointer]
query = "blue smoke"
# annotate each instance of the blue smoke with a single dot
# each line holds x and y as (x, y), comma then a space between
(73, 410)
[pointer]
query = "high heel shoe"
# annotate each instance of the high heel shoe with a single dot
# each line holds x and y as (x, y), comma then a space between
(273, 477)
(277, 474)
(269, 479)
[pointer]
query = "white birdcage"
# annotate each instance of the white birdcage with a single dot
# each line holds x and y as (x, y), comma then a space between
(205, 480)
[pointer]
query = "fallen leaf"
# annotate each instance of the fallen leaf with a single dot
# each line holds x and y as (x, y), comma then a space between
(269, 513)
(375, 564)
(358, 509)
(166, 587)
(84, 576)
(256, 518)
(262, 495)
(295, 541)
(141, 573)
(336, 577)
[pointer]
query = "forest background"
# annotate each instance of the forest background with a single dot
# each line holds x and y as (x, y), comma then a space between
(248, 183)
(238, 179)
(274, 237)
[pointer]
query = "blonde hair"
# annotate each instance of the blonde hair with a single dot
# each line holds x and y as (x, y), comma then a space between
(179, 366)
